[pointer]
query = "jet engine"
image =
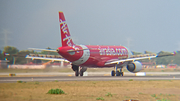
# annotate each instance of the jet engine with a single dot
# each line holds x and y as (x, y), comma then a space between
(134, 66)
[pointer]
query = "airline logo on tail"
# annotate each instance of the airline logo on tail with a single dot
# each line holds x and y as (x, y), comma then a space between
(63, 26)
(65, 35)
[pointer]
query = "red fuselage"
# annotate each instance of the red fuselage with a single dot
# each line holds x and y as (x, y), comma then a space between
(93, 56)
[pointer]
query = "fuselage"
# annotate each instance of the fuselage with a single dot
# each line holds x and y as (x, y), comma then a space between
(93, 56)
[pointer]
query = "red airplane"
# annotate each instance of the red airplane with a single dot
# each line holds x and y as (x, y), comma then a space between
(83, 56)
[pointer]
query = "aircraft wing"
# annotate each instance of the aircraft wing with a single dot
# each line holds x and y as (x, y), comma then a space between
(49, 50)
(46, 58)
(138, 57)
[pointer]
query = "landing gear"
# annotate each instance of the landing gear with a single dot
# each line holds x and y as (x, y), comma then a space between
(121, 73)
(78, 70)
(77, 73)
(117, 72)
(113, 73)
(75, 69)
(81, 72)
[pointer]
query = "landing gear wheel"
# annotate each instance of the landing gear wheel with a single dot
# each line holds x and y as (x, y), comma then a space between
(112, 73)
(76, 72)
(81, 73)
(118, 73)
(121, 73)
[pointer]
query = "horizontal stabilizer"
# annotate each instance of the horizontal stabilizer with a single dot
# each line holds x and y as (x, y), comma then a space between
(46, 58)
(49, 50)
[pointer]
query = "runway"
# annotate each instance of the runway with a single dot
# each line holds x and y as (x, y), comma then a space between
(86, 78)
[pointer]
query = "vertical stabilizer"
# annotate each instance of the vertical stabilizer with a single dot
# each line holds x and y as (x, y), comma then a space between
(65, 35)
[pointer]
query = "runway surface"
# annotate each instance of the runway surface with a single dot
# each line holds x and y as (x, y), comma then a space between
(91, 73)
(87, 78)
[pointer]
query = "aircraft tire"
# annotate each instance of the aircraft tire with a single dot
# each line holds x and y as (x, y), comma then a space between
(74, 67)
(81, 73)
(76, 73)
(112, 73)
(121, 73)
(118, 73)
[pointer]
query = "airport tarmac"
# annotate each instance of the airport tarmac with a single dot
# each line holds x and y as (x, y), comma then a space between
(91, 73)
(170, 76)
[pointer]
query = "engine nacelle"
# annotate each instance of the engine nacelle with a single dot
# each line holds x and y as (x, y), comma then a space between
(134, 67)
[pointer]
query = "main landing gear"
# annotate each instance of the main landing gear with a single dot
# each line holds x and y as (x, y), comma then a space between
(117, 72)
(78, 70)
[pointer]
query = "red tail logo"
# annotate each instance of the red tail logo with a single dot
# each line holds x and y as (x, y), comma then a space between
(65, 35)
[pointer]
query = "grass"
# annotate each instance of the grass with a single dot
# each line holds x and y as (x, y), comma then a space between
(109, 94)
(100, 98)
(92, 91)
(130, 79)
(157, 97)
(19, 81)
(56, 91)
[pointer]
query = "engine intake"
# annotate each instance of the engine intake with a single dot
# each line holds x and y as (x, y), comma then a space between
(134, 67)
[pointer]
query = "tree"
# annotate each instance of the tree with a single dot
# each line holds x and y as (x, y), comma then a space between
(10, 50)
(20, 56)
(1, 55)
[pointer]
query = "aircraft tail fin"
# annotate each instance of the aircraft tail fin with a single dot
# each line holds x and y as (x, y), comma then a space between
(65, 35)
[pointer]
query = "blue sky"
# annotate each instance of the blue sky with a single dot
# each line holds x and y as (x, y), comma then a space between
(140, 25)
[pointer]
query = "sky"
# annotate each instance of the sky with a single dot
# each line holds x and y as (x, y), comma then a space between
(140, 25)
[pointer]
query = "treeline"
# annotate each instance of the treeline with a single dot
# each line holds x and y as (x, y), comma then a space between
(18, 57)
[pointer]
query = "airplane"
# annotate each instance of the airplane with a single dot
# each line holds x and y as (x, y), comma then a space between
(5, 54)
(82, 57)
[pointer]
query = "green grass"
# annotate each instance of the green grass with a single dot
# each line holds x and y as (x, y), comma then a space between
(19, 81)
(130, 79)
(100, 98)
(56, 91)
(109, 95)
